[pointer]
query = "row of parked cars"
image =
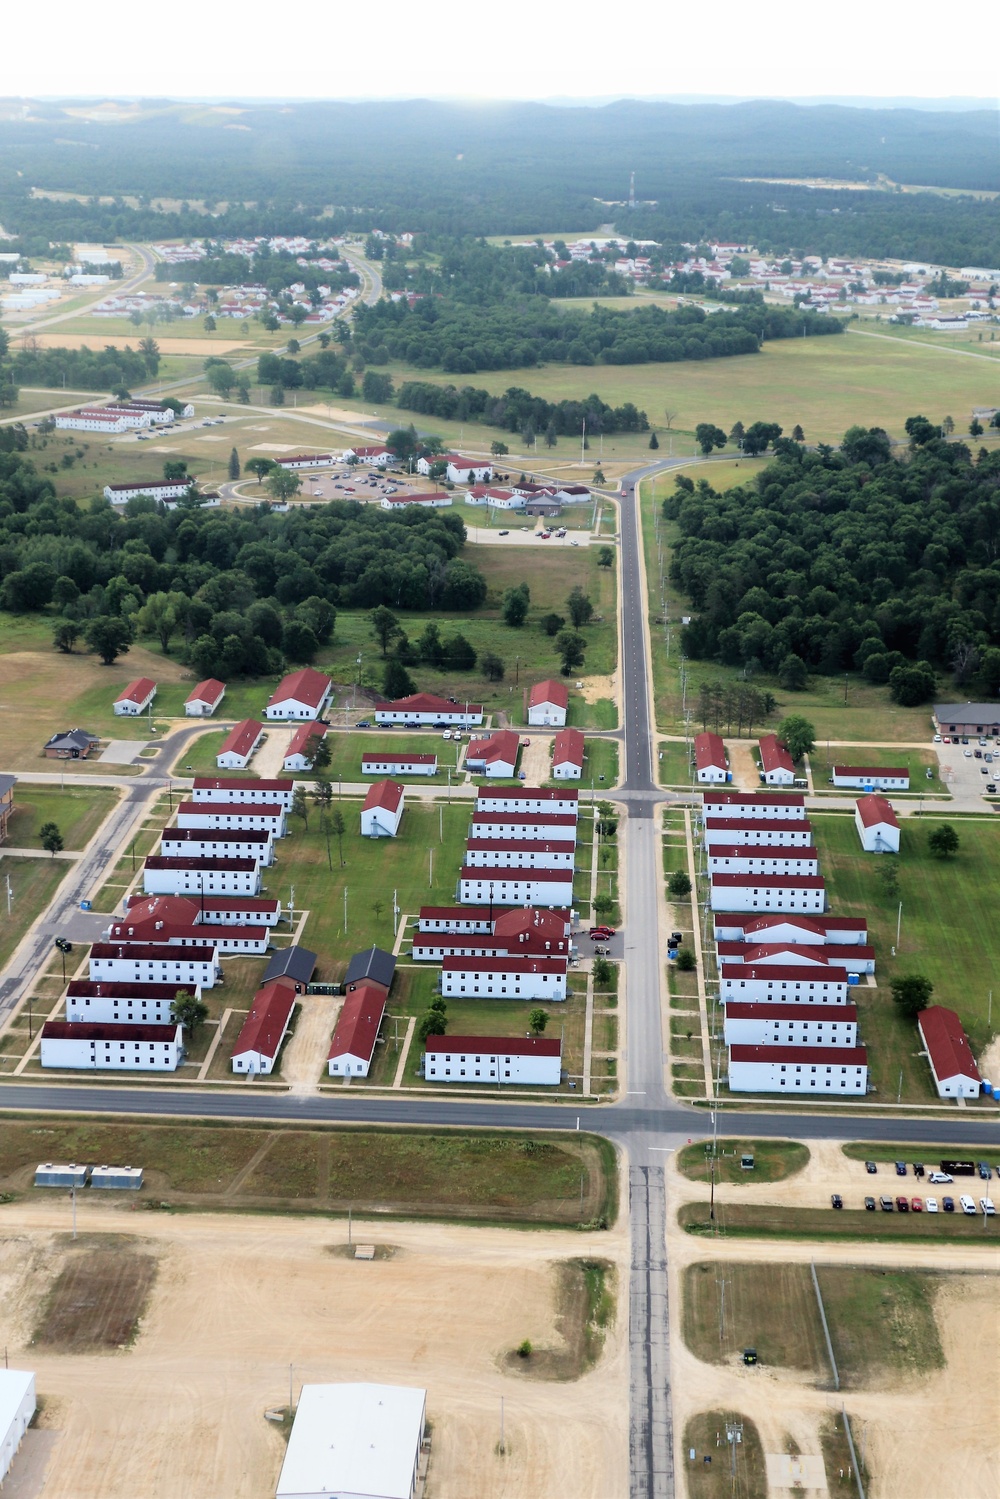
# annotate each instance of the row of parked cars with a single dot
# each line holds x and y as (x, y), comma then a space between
(904, 1204)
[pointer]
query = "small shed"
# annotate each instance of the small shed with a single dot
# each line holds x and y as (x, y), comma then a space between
(295, 963)
(117, 1178)
(52, 1174)
(374, 965)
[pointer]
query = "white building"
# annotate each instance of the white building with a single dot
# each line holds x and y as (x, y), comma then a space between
(259, 1041)
(820, 930)
(230, 940)
(529, 827)
(536, 800)
(495, 756)
(17, 1407)
(440, 499)
(128, 1048)
(762, 1024)
(746, 831)
(548, 704)
(152, 489)
(855, 958)
(188, 876)
(877, 825)
(385, 763)
(516, 1060)
(779, 983)
(710, 758)
(382, 810)
(261, 817)
(205, 698)
(371, 457)
(520, 853)
(766, 858)
(240, 745)
(755, 806)
(353, 1044)
(358, 1441)
(302, 694)
(424, 708)
(135, 698)
(468, 470)
(307, 460)
(206, 843)
(87, 420)
(568, 754)
(776, 766)
(871, 778)
(154, 963)
(798, 1069)
(768, 892)
(301, 751)
(953, 1067)
(504, 978)
(235, 789)
(515, 887)
(129, 1003)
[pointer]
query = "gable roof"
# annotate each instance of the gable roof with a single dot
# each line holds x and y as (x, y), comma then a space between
(265, 1024)
(503, 745)
(709, 751)
(875, 809)
(512, 1046)
(209, 691)
(305, 686)
(72, 739)
(426, 702)
(549, 691)
(358, 1023)
(241, 739)
(295, 963)
(774, 755)
(947, 1043)
(137, 691)
(301, 740)
(568, 748)
(873, 772)
(385, 795)
(375, 964)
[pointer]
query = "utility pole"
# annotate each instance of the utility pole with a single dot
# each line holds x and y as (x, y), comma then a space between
(345, 910)
(430, 873)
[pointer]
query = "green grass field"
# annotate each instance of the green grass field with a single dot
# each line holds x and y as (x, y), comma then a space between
(917, 762)
(774, 1160)
(948, 932)
(33, 883)
(745, 1220)
(78, 812)
(710, 1475)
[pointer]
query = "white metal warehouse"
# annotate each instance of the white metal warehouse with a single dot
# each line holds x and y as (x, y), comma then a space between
(361, 1440)
(17, 1406)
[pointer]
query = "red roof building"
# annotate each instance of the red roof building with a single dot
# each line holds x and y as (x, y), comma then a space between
(302, 694)
(424, 707)
(568, 755)
(205, 698)
(776, 765)
(382, 810)
(548, 703)
(877, 825)
(135, 697)
(263, 1031)
(353, 1044)
(710, 759)
(495, 756)
(302, 747)
(239, 744)
(952, 1064)
(493, 1060)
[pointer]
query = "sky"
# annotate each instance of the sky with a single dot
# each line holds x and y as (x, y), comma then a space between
(454, 49)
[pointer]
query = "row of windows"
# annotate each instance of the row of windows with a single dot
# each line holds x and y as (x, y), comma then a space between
(447, 1072)
(792, 984)
(478, 1059)
(858, 1070)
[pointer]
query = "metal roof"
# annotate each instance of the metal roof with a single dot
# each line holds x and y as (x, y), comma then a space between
(294, 962)
(356, 1439)
(375, 964)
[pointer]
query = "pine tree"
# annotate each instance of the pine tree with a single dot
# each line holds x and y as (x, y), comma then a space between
(654, 441)
(234, 464)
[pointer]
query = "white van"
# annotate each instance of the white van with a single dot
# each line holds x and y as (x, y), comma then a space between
(986, 1203)
(967, 1205)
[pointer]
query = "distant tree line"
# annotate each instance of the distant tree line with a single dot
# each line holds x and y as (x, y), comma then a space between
(519, 411)
(849, 559)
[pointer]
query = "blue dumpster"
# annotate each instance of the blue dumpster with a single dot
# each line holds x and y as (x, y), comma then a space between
(85, 905)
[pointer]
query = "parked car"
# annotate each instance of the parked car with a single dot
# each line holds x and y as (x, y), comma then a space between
(503, 533)
(948, 1204)
(918, 1169)
(525, 743)
(900, 1168)
(363, 723)
(869, 1204)
(940, 1177)
(937, 739)
(917, 1204)
(902, 1204)
(986, 1203)
(967, 753)
(885, 1203)
(601, 933)
(871, 1167)
(837, 1200)
(931, 1204)
(985, 1170)
(967, 1205)
(446, 734)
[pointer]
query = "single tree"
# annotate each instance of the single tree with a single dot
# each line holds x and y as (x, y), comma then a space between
(277, 395)
(669, 417)
(797, 434)
(708, 437)
(188, 1011)
(491, 666)
(571, 648)
(975, 427)
(581, 609)
(396, 680)
(515, 604)
(210, 324)
(912, 993)
(50, 837)
(300, 806)
(109, 636)
(322, 755)
(888, 875)
(603, 905)
(282, 484)
(793, 674)
(551, 624)
(499, 449)
(654, 441)
(432, 1023)
(385, 627)
(550, 435)
(679, 885)
(335, 819)
(260, 467)
(65, 635)
(942, 841)
(234, 464)
(322, 792)
(537, 1021)
(602, 972)
(686, 960)
(797, 735)
(605, 557)
(598, 477)
(174, 469)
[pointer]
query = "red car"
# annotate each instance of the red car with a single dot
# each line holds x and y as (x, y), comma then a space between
(917, 1205)
(601, 933)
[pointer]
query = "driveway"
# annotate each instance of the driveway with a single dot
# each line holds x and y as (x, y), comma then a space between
(267, 762)
(963, 776)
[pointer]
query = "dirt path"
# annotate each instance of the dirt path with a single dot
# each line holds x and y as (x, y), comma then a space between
(239, 1298)
(267, 762)
(743, 765)
(307, 1051)
(536, 761)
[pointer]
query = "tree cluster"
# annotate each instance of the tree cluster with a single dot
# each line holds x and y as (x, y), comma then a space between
(519, 411)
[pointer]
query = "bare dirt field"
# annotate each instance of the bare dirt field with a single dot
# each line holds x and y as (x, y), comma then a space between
(921, 1424)
(239, 1298)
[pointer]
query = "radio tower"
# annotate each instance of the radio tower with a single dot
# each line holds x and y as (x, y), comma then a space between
(631, 191)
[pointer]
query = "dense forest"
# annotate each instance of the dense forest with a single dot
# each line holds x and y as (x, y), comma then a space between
(499, 169)
(849, 560)
(232, 592)
(518, 333)
(518, 410)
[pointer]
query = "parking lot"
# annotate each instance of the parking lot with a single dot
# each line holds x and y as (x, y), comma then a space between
(966, 770)
(956, 1187)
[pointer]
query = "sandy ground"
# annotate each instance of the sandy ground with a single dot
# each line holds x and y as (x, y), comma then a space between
(268, 760)
(743, 765)
(536, 760)
(305, 1056)
(927, 1428)
(989, 1061)
(238, 1299)
(594, 688)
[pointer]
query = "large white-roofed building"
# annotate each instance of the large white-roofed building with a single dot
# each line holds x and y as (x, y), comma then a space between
(356, 1440)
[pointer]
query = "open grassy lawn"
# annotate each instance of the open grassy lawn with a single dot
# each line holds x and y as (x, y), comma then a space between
(925, 1154)
(675, 764)
(347, 749)
(746, 1220)
(78, 812)
(949, 933)
(768, 1307)
(600, 766)
(774, 1160)
(881, 1323)
(710, 1475)
(917, 762)
(494, 1177)
(33, 883)
(867, 716)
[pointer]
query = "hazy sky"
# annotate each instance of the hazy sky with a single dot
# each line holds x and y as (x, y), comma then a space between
(520, 50)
